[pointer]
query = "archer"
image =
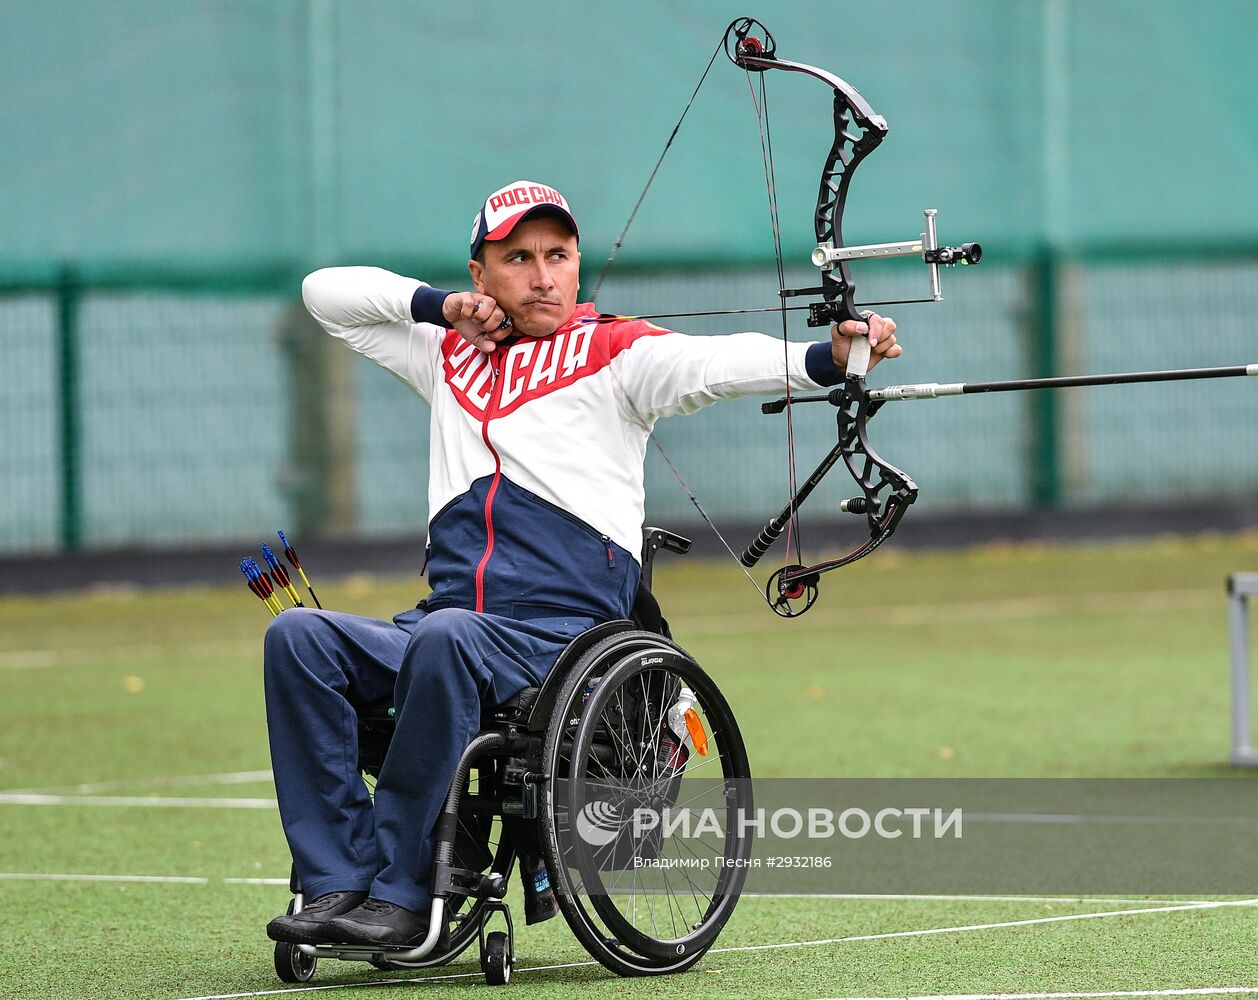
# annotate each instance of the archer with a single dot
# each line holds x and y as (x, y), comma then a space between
(541, 411)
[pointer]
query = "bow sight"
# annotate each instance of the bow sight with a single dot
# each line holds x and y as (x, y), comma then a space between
(926, 246)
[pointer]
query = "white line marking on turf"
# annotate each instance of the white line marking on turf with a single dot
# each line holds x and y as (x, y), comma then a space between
(63, 877)
(256, 881)
(800, 944)
(1006, 609)
(882, 897)
(386, 982)
(998, 609)
(160, 781)
(1204, 991)
(992, 926)
(25, 659)
(910, 897)
(154, 801)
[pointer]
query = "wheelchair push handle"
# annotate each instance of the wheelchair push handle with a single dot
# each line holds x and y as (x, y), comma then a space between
(654, 539)
(662, 538)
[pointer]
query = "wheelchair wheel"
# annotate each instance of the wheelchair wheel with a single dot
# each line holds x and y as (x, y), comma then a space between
(640, 730)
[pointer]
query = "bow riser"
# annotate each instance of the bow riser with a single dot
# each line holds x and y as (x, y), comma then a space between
(849, 149)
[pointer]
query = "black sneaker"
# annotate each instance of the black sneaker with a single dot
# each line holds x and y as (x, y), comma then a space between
(386, 924)
(310, 925)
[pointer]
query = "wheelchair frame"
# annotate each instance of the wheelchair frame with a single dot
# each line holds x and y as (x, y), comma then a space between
(510, 755)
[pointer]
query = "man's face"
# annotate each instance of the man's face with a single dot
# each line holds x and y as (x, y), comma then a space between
(533, 274)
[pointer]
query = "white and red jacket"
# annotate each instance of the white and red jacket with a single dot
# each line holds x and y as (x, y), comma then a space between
(535, 491)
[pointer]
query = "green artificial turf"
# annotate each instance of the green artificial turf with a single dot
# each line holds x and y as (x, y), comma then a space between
(1090, 661)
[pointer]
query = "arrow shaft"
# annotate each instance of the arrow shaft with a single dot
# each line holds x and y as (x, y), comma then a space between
(758, 309)
(930, 390)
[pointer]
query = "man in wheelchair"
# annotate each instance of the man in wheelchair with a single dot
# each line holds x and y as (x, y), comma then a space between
(541, 411)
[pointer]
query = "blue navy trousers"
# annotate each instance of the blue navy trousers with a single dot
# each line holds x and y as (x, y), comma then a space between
(436, 669)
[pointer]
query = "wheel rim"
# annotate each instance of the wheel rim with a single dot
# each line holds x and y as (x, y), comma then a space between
(679, 912)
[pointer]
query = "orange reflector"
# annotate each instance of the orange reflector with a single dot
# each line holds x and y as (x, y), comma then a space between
(694, 726)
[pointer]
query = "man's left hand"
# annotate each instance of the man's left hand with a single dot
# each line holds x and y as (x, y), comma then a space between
(882, 342)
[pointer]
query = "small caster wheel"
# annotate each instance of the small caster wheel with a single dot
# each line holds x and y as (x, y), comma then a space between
(496, 960)
(291, 965)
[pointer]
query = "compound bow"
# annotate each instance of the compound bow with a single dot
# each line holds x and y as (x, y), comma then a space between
(886, 491)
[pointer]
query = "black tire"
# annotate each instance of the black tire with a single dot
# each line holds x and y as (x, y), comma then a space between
(496, 960)
(580, 732)
(291, 965)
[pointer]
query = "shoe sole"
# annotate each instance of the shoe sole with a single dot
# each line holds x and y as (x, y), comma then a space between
(286, 935)
(361, 940)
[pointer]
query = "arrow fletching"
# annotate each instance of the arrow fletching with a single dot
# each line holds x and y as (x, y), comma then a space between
(259, 586)
(282, 580)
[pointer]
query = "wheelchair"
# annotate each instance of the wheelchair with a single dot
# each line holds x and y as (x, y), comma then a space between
(627, 715)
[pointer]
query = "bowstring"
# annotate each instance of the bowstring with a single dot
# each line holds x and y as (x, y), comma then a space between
(655, 170)
(711, 524)
(611, 258)
(761, 108)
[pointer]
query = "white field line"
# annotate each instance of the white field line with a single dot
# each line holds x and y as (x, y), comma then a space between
(256, 881)
(1203, 991)
(28, 659)
(23, 797)
(415, 981)
(950, 897)
(936, 613)
(60, 877)
(992, 926)
(159, 781)
(800, 944)
(850, 897)
(149, 801)
(997, 609)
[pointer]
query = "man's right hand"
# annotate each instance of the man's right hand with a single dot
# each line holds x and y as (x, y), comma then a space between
(477, 317)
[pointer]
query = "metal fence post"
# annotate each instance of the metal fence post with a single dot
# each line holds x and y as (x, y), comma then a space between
(320, 477)
(1045, 457)
(1240, 587)
(70, 408)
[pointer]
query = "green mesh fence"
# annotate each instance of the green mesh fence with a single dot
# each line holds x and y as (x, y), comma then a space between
(200, 419)
(1102, 153)
(30, 467)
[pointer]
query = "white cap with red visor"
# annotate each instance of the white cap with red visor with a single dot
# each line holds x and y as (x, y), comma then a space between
(512, 204)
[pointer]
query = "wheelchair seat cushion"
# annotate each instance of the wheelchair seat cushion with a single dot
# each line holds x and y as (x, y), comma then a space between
(514, 709)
